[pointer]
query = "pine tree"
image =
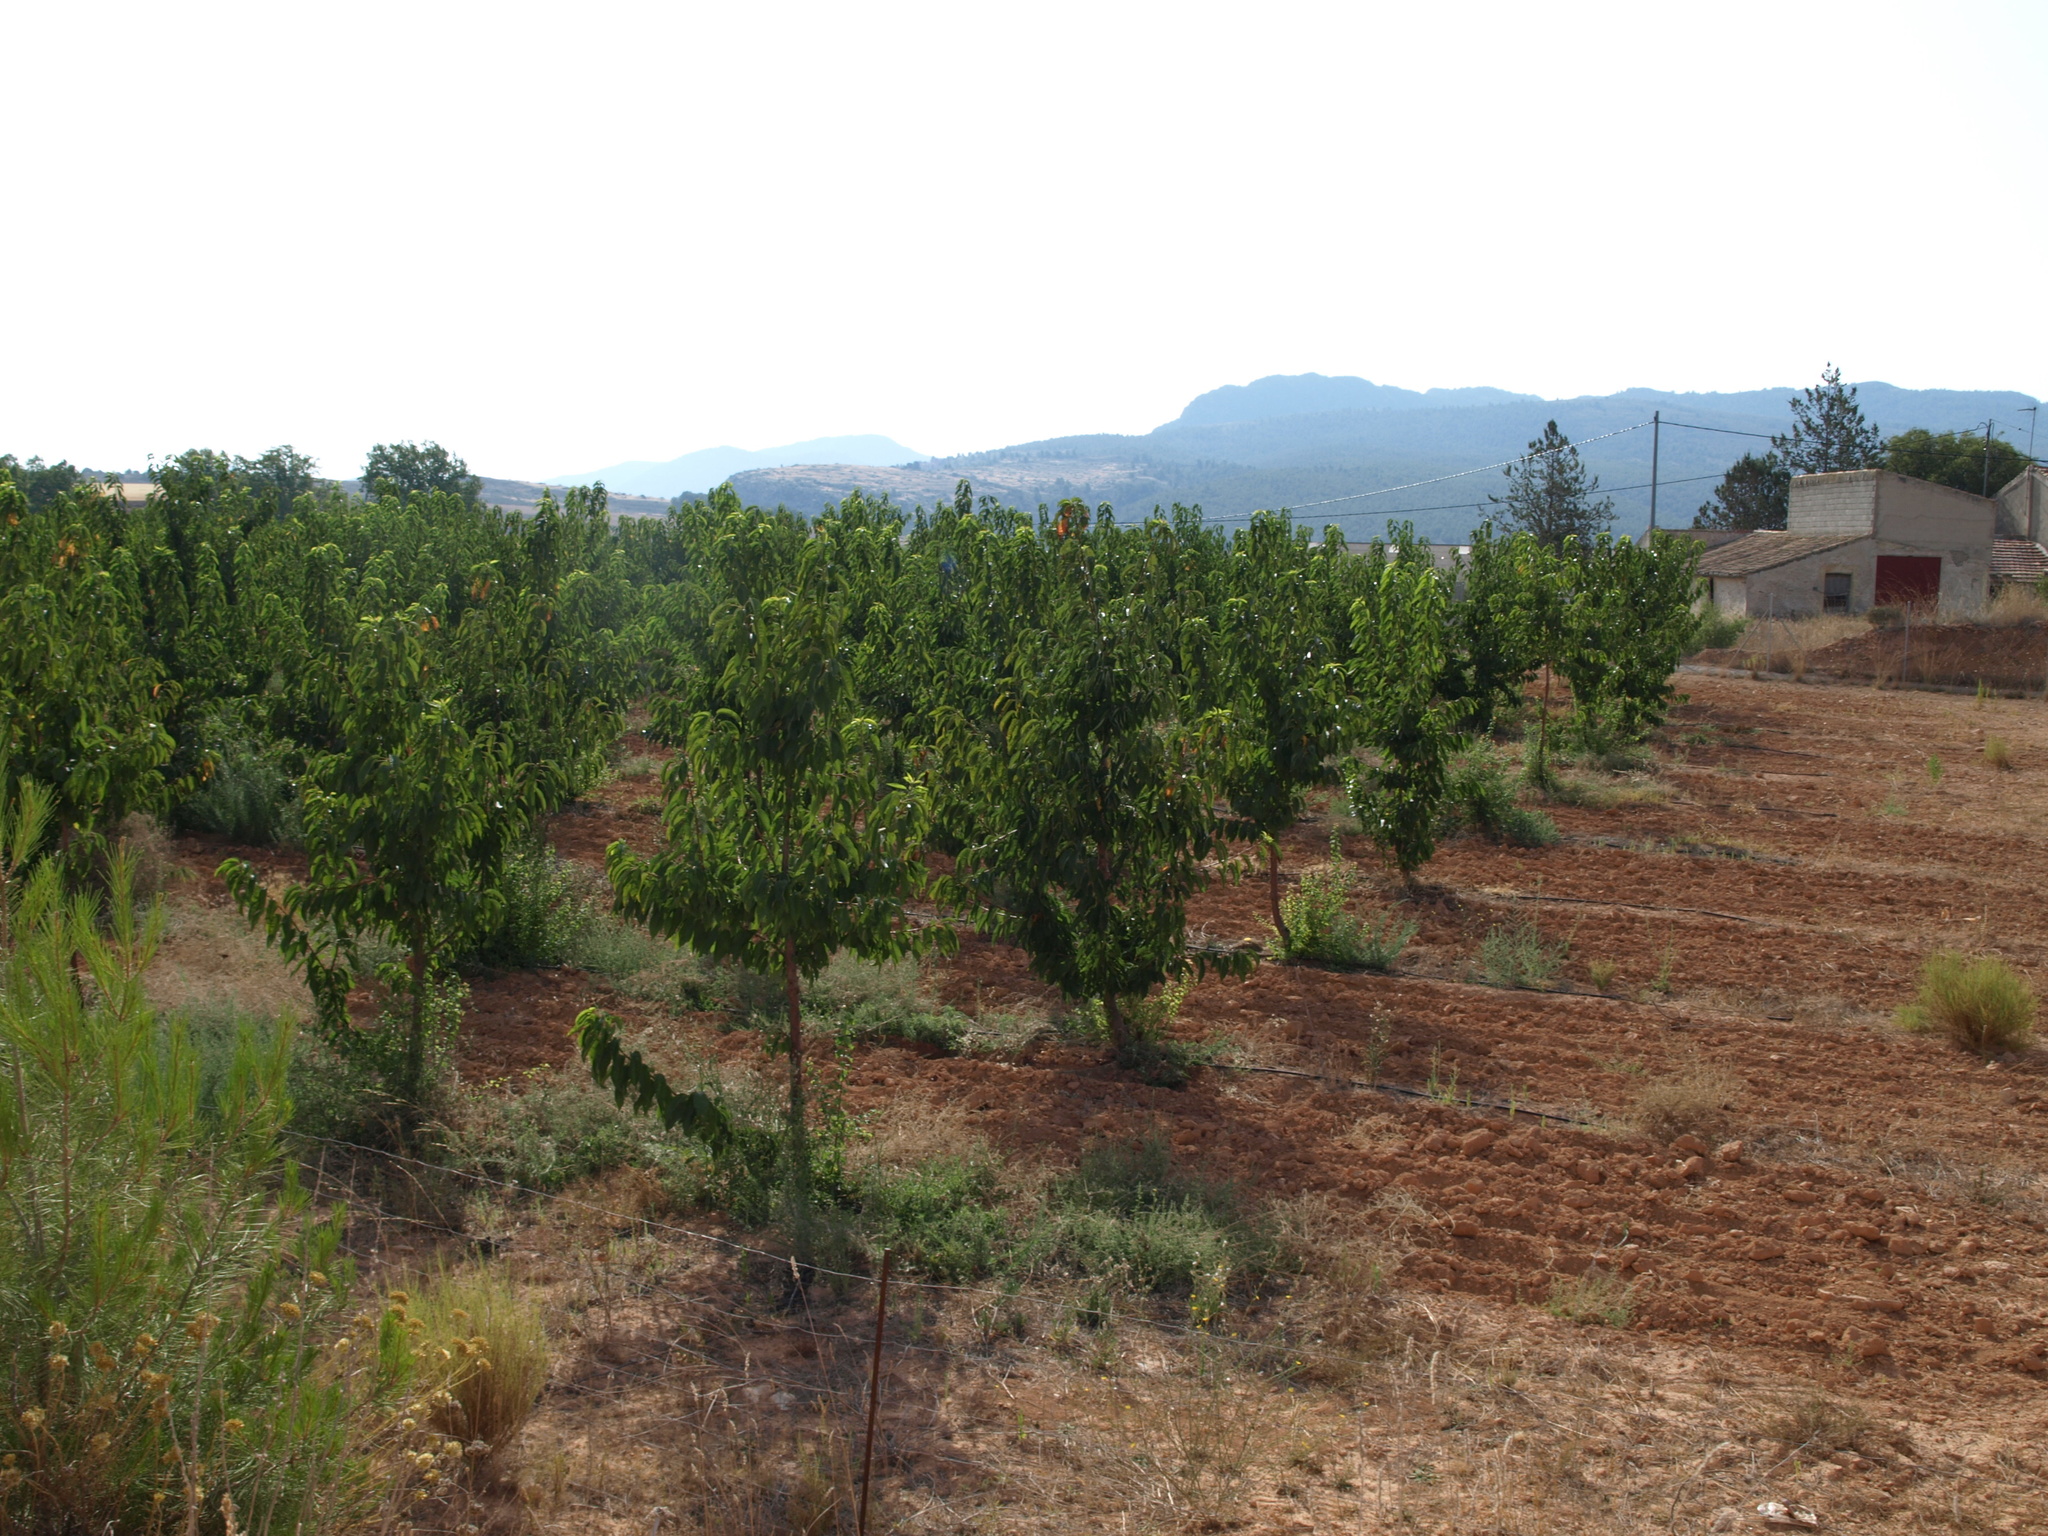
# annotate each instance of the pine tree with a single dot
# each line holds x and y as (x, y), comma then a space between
(1828, 430)
(1755, 493)
(1551, 494)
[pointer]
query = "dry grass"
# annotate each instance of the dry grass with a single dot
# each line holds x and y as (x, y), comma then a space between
(507, 1358)
(1695, 1100)
(2010, 607)
(1820, 1424)
(1787, 645)
(1998, 754)
(210, 956)
(1983, 1004)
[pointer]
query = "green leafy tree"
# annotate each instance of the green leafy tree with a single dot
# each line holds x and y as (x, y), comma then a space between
(1551, 495)
(278, 477)
(1755, 493)
(1828, 432)
(1290, 702)
(411, 469)
(41, 483)
(407, 822)
(82, 705)
(1093, 794)
(1966, 461)
(1401, 620)
(786, 842)
(1626, 618)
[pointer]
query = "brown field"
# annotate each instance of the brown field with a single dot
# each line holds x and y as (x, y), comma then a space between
(1555, 1296)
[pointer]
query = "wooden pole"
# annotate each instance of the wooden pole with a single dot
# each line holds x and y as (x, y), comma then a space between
(867, 1455)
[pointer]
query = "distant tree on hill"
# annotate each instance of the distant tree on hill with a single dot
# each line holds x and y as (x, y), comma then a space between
(1955, 459)
(1551, 494)
(277, 477)
(411, 468)
(41, 483)
(1828, 430)
(1755, 493)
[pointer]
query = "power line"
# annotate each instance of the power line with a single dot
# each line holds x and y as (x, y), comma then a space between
(1522, 458)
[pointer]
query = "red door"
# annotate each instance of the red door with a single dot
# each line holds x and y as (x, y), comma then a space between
(1908, 581)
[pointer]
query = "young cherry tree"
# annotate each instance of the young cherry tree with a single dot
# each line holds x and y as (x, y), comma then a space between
(1288, 693)
(1093, 799)
(407, 821)
(786, 842)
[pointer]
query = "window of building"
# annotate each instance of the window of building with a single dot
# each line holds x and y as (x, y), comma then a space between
(1834, 593)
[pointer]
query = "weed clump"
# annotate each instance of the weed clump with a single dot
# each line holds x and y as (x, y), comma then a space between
(1694, 1100)
(489, 1319)
(1982, 1004)
(1821, 1424)
(1479, 797)
(1593, 1297)
(1517, 955)
(1320, 928)
(1997, 754)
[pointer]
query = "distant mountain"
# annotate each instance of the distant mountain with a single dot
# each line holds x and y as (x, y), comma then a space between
(707, 467)
(1303, 394)
(1312, 444)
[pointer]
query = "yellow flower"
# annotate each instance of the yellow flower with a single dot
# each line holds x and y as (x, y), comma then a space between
(408, 1424)
(58, 1330)
(100, 1442)
(143, 1347)
(343, 1344)
(483, 1365)
(289, 1309)
(200, 1329)
(32, 1418)
(400, 1297)
(59, 1364)
(459, 1315)
(316, 1279)
(234, 1425)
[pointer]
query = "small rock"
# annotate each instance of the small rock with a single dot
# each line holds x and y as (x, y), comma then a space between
(1801, 1196)
(1968, 1246)
(1661, 1178)
(1865, 1345)
(1862, 1229)
(1464, 1226)
(1986, 1326)
(1688, 1145)
(2031, 1362)
(1729, 1151)
(1794, 1515)
(1906, 1247)
(1477, 1143)
(1766, 1248)
(1693, 1167)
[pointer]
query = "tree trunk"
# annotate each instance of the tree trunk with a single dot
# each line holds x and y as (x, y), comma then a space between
(1273, 892)
(799, 1140)
(1119, 1026)
(416, 1041)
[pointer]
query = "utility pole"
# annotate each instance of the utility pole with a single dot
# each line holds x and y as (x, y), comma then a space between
(2033, 420)
(1656, 430)
(1987, 458)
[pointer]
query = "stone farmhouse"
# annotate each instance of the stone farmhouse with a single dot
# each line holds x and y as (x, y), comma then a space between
(1869, 538)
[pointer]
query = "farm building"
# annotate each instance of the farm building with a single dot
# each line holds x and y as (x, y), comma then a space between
(1870, 538)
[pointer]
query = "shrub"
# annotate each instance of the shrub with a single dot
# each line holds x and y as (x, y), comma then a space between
(1997, 754)
(1320, 928)
(559, 1129)
(1517, 955)
(1694, 1100)
(497, 1322)
(940, 1216)
(245, 790)
(1127, 1218)
(167, 1290)
(547, 907)
(863, 1000)
(1714, 630)
(1478, 797)
(1982, 1004)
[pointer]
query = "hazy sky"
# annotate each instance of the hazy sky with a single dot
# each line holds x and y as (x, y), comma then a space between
(557, 236)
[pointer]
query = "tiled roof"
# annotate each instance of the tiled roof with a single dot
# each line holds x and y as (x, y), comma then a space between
(1769, 547)
(2018, 560)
